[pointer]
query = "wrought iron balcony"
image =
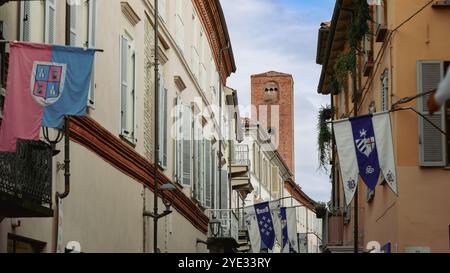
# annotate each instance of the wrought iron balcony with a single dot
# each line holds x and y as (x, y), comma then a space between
(223, 230)
(240, 155)
(26, 181)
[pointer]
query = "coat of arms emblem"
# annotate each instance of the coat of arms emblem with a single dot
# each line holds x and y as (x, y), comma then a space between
(47, 82)
(365, 144)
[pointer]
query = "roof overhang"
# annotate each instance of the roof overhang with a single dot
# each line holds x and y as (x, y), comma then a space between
(337, 38)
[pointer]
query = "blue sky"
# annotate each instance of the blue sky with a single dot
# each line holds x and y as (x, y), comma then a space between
(281, 35)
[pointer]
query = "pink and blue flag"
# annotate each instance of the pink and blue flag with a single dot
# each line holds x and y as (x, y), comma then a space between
(45, 83)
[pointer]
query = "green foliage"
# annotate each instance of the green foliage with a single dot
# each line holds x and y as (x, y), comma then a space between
(357, 30)
(324, 137)
(360, 26)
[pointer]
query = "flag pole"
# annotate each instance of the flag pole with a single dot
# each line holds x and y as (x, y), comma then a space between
(9, 42)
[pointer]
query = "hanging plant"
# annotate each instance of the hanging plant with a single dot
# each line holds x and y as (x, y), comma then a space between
(324, 137)
(359, 27)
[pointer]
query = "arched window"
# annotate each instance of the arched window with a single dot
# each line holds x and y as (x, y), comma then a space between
(271, 92)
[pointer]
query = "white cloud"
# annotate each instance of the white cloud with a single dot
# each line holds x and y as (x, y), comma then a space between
(282, 36)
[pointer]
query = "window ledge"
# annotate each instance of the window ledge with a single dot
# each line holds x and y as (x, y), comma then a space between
(131, 142)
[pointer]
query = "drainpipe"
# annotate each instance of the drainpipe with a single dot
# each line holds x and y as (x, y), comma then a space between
(61, 196)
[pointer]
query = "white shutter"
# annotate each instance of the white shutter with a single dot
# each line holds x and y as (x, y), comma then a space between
(179, 25)
(197, 161)
(124, 46)
(162, 123)
(162, 9)
(133, 95)
(202, 171)
(275, 181)
(187, 146)
(25, 20)
(432, 142)
(91, 43)
(224, 189)
(209, 178)
(50, 21)
(73, 25)
(178, 140)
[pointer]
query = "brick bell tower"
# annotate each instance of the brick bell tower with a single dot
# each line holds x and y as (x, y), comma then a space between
(273, 108)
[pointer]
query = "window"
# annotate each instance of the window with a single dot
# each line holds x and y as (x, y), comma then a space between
(432, 142)
(208, 173)
(447, 115)
(81, 28)
(179, 25)
(91, 42)
(195, 63)
(127, 89)
(25, 21)
(271, 92)
(198, 146)
(73, 24)
(162, 9)
(163, 117)
(275, 182)
(385, 91)
(35, 26)
(214, 175)
(224, 190)
(50, 21)
(381, 21)
(187, 146)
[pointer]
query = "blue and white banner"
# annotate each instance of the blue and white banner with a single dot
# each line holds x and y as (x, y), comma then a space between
(289, 230)
(365, 148)
(263, 224)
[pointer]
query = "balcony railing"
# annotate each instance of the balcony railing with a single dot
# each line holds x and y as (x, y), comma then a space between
(241, 155)
(229, 224)
(26, 181)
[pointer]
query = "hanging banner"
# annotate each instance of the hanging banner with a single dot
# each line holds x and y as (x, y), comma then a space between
(45, 83)
(365, 148)
(264, 225)
(289, 230)
(347, 159)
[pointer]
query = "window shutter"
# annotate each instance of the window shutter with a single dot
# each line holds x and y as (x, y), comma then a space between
(208, 174)
(50, 21)
(133, 125)
(187, 147)
(162, 9)
(179, 25)
(25, 20)
(178, 140)
(224, 189)
(202, 171)
(124, 85)
(214, 176)
(431, 141)
(91, 43)
(275, 181)
(162, 123)
(196, 160)
(73, 25)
